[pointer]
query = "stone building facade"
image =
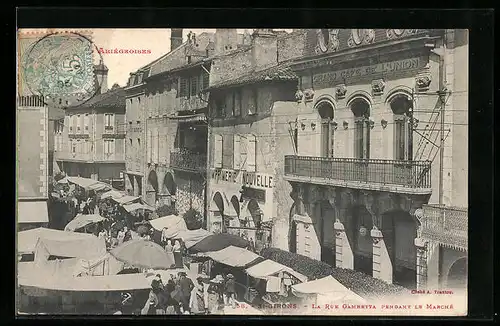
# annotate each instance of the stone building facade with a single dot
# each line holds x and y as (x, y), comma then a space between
(92, 142)
(370, 104)
(251, 98)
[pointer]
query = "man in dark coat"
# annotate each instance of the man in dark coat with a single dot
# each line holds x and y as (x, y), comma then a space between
(186, 286)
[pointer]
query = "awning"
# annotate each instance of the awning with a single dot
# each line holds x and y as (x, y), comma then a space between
(99, 186)
(26, 240)
(136, 206)
(126, 199)
(83, 182)
(88, 248)
(302, 218)
(112, 194)
(189, 118)
(81, 221)
(269, 268)
(32, 212)
(171, 221)
(233, 256)
(325, 286)
(123, 282)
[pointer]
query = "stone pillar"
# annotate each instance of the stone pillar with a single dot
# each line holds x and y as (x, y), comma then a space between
(135, 186)
(382, 265)
(344, 257)
(421, 245)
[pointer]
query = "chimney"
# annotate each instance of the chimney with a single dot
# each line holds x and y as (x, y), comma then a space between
(101, 73)
(264, 48)
(225, 40)
(175, 38)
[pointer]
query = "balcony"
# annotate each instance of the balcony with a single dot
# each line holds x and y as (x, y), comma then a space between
(411, 177)
(186, 160)
(446, 225)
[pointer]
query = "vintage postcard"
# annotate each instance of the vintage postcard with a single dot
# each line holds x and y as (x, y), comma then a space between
(242, 172)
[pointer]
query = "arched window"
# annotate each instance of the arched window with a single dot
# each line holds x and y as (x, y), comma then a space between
(361, 110)
(325, 111)
(402, 108)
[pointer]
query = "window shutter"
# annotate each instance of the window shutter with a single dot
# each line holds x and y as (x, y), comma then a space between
(251, 157)
(112, 119)
(157, 142)
(112, 143)
(243, 152)
(218, 152)
(194, 85)
(206, 80)
(148, 144)
(236, 153)
(183, 87)
(86, 123)
(67, 123)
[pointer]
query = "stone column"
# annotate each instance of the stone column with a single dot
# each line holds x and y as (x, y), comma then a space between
(382, 265)
(421, 245)
(344, 257)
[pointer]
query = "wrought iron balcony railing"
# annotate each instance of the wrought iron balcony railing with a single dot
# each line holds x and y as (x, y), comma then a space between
(446, 225)
(188, 161)
(361, 173)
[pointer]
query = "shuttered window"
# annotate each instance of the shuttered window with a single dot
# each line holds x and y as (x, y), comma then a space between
(217, 151)
(183, 87)
(205, 80)
(195, 87)
(236, 153)
(251, 153)
(67, 123)
(86, 123)
(148, 144)
(243, 152)
(78, 123)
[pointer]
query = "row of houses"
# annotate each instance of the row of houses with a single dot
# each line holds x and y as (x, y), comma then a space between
(345, 145)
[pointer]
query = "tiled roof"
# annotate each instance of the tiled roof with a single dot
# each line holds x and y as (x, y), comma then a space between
(114, 98)
(281, 72)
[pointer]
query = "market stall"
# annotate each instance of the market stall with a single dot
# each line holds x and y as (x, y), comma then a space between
(83, 221)
(219, 241)
(126, 199)
(326, 290)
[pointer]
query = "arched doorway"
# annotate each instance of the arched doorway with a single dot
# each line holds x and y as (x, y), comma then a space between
(217, 212)
(169, 184)
(399, 229)
(255, 213)
(457, 275)
(152, 188)
(362, 242)
(360, 107)
(323, 218)
(326, 113)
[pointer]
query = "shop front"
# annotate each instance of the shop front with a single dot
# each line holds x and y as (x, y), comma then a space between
(241, 203)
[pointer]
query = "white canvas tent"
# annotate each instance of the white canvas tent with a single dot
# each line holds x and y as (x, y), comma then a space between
(326, 289)
(90, 248)
(27, 240)
(267, 268)
(170, 222)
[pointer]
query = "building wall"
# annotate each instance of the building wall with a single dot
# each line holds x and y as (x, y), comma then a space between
(271, 129)
(459, 58)
(32, 151)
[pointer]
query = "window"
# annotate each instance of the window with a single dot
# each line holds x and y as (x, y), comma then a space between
(109, 121)
(251, 153)
(79, 146)
(325, 111)
(139, 142)
(194, 86)
(237, 103)
(109, 147)
(148, 144)
(183, 87)
(230, 103)
(86, 148)
(253, 107)
(236, 152)
(306, 82)
(78, 123)
(73, 146)
(220, 107)
(401, 107)
(205, 80)
(130, 141)
(217, 151)
(86, 123)
(361, 109)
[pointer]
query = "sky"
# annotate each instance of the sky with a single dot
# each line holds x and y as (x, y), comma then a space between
(121, 65)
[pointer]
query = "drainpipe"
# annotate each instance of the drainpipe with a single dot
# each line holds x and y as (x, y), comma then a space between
(442, 92)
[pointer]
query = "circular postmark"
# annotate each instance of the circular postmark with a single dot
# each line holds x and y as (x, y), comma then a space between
(60, 67)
